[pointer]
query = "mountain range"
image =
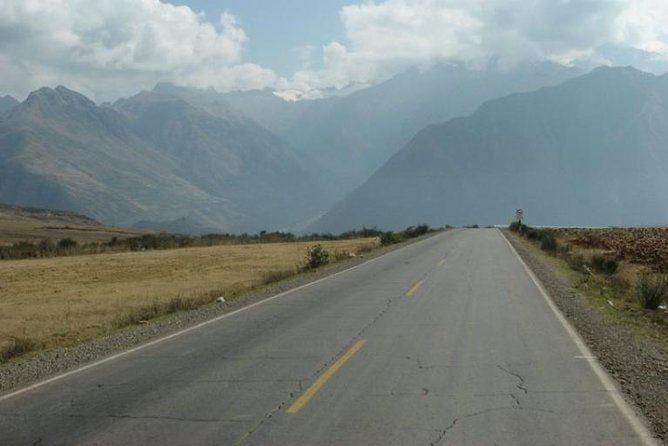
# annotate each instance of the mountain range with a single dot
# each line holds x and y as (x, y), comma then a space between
(590, 151)
(151, 158)
(439, 145)
(351, 136)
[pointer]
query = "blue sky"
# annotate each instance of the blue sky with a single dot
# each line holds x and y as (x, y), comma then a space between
(276, 28)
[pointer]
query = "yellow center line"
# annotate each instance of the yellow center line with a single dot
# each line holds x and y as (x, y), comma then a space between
(322, 379)
(441, 262)
(414, 289)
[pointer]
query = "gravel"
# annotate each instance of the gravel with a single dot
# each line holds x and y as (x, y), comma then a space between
(640, 365)
(22, 372)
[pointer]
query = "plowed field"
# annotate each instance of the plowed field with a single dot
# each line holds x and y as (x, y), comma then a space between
(643, 246)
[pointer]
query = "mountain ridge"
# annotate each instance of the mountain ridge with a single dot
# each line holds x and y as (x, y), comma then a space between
(59, 149)
(587, 151)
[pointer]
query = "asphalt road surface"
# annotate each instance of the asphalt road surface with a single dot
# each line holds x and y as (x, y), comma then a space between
(446, 341)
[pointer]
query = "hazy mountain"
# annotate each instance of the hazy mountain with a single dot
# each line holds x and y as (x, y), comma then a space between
(59, 150)
(228, 155)
(591, 151)
(354, 135)
(7, 103)
(155, 158)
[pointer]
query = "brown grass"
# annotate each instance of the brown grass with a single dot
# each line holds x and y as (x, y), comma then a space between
(61, 301)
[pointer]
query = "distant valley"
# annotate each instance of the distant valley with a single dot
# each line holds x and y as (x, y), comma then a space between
(352, 136)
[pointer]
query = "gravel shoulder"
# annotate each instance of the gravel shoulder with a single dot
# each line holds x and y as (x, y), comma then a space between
(22, 372)
(638, 364)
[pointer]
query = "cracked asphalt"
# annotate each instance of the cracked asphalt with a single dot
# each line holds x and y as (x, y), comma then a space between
(472, 355)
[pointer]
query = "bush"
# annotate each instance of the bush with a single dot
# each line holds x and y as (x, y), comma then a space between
(545, 237)
(576, 262)
(316, 256)
(17, 347)
(532, 233)
(548, 242)
(67, 243)
(652, 290)
(604, 264)
(416, 231)
(389, 238)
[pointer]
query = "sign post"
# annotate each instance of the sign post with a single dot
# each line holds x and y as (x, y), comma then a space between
(519, 215)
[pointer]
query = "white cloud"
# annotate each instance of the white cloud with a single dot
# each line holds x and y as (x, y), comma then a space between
(109, 47)
(386, 37)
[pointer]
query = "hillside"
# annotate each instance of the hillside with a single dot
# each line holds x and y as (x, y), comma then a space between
(30, 224)
(7, 103)
(227, 155)
(590, 151)
(59, 150)
(154, 158)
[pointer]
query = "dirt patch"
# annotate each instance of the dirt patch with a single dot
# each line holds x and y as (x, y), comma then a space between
(640, 365)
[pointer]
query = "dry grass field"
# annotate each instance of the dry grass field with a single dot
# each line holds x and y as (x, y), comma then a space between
(33, 225)
(60, 301)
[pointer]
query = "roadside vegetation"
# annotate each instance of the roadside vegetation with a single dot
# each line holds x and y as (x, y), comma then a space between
(630, 288)
(390, 237)
(67, 247)
(61, 298)
(60, 301)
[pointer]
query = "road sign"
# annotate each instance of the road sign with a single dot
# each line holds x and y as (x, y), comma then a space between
(519, 215)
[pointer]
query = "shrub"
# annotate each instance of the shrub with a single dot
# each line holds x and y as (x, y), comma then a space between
(576, 262)
(532, 233)
(416, 231)
(316, 256)
(652, 290)
(17, 346)
(46, 247)
(548, 242)
(604, 264)
(389, 238)
(67, 243)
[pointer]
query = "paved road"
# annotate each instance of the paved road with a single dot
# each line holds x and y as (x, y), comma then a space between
(446, 341)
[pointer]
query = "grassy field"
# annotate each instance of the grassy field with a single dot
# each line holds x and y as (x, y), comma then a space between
(33, 225)
(46, 303)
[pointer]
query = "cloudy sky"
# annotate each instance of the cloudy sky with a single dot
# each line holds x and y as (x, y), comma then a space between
(112, 48)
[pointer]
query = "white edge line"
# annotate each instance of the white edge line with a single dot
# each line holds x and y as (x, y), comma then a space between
(638, 426)
(194, 327)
